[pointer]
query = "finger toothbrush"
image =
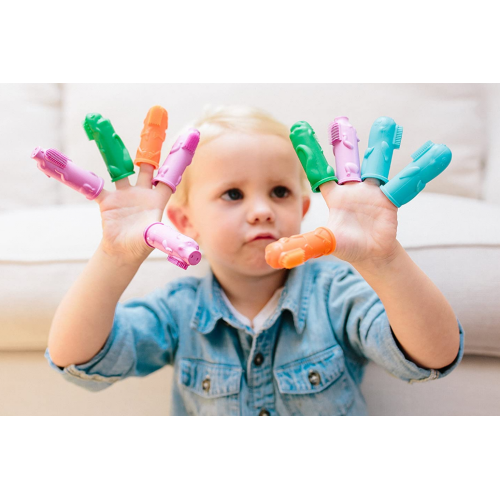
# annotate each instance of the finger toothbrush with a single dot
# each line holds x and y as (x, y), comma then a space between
(58, 166)
(180, 156)
(152, 136)
(294, 251)
(311, 155)
(428, 162)
(181, 250)
(344, 139)
(385, 137)
(113, 151)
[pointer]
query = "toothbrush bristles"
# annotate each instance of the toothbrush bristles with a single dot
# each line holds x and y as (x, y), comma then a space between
(334, 132)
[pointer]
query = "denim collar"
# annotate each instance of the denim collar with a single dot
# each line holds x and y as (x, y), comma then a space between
(210, 306)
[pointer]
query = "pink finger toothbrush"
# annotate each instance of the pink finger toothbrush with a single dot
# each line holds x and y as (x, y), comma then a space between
(58, 166)
(181, 250)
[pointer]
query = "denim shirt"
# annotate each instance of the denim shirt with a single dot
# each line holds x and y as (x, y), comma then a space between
(309, 358)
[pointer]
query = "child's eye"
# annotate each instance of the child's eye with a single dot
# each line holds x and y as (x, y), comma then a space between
(281, 191)
(233, 195)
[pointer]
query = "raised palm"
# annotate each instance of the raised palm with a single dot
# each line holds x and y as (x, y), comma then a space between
(362, 219)
(128, 211)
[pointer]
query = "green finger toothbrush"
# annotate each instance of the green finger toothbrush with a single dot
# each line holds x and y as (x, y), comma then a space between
(113, 151)
(311, 155)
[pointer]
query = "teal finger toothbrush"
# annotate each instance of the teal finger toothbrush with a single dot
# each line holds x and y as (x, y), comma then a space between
(113, 151)
(385, 137)
(428, 162)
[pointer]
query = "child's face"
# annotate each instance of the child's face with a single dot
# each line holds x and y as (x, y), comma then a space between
(242, 185)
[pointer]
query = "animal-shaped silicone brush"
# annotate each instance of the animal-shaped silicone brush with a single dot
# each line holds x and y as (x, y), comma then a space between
(113, 151)
(385, 137)
(180, 156)
(294, 251)
(152, 136)
(58, 166)
(428, 162)
(344, 139)
(181, 250)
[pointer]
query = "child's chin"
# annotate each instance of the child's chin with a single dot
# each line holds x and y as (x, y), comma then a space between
(259, 267)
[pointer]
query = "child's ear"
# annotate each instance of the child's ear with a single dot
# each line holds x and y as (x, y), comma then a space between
(306, 203)
(180, 218)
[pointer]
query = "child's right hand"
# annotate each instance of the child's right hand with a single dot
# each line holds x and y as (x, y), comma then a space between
(127, 212)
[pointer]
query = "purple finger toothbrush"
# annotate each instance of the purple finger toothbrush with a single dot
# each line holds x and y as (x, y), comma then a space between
(344, 139)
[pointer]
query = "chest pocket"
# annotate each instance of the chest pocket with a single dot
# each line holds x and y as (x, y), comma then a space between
(210, 388)
(316, 385)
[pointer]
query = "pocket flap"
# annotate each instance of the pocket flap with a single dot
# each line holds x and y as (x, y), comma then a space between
(209, 380)
(311, 374)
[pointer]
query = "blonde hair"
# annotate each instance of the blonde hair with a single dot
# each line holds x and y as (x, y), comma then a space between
(216, 121)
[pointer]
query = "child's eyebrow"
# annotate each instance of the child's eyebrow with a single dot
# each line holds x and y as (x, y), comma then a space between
(242, 182)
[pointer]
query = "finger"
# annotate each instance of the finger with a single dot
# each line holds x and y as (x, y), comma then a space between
(294, 251)
(428, 162)
(145, 175)
(164, 192)
(311, 155)
(101, 196)
(55, 164)
(113, 151)
(385, 137)
(122, 184)
(149, 151)
(326, 190)
(344, 139)
(373, 181)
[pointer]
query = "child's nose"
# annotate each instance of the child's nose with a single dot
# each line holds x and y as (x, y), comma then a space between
(260, 211)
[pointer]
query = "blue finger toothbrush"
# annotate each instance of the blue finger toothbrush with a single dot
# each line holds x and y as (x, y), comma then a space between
(385, 137)
(428, 162)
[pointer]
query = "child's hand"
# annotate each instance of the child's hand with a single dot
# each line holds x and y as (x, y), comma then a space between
(128, 211)
(363, 221)
(363, 215)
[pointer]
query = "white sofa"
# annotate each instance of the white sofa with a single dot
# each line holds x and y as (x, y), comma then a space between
(48, 232)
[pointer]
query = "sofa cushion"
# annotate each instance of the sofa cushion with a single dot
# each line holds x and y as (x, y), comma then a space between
(444, 113)
(31, 115)
(491, 191)
(471, 389)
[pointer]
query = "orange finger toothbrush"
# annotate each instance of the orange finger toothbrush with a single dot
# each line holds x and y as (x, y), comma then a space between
(294, 251)
(152, 137)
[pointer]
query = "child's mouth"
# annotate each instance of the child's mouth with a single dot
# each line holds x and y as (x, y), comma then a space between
(263, 238)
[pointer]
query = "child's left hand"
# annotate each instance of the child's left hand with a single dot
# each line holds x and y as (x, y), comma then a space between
(363, 221)
(363, 214)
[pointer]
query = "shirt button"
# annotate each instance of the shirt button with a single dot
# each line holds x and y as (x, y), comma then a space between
(314, 378)
(206, 385)
(258, 360)
(264, 413)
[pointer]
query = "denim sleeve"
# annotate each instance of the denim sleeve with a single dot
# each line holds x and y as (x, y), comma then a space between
(142, 340)
(362, 326)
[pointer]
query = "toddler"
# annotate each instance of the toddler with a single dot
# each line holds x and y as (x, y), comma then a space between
(248, 339)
